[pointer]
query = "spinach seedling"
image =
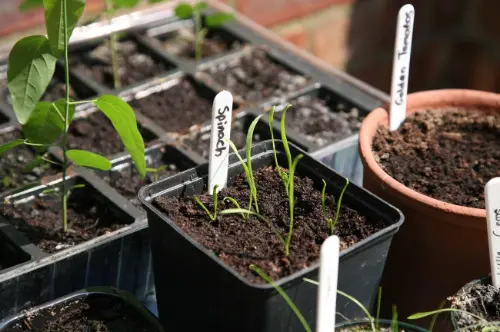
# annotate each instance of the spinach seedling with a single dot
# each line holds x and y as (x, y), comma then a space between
(332, 223)
(213, 217)
(481, 323)
(185, 10)
(31, 66)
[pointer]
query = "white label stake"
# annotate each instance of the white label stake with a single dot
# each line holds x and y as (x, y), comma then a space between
(401, 66)
(218, 161)
(328, 275)
(492, 197)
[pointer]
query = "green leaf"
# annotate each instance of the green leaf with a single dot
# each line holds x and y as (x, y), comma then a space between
(46, 123)
(30, 69)
(30, 4)
(200, 5)
(10, 145)
(123, 119)
(217, 19)
(184, 11)
(125, 3)
(155, 1)
(88, 159)
(54, 19)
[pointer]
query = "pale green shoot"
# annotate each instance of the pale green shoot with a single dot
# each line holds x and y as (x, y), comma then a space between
(156, 171)
(291, 202)
(235, 203)
(282, 174)
(332, 223)
(213, 217)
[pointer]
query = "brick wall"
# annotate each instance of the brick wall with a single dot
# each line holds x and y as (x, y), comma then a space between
(456, 42)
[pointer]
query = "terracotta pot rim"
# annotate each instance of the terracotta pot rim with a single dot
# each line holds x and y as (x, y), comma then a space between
(417, 101)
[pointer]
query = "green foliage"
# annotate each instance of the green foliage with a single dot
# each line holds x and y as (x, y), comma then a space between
(213, 217)
(88, 159)
(218, 19)
(184, 11)
(156, 171)
(394, 321)
(47, 123)
(332, 223)
(291, 202)
(283, 175)
(30, 69)
(58, 15)
(235, 203)
(118, 4)
(10, 145)
(123, 119)
(30, 4)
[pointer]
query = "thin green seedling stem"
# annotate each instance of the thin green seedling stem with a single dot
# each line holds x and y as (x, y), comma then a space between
(323, 207)
(197, 26)
(339, 204)
(435, 316)
(394, 322)
(35, 144)
(291, 202)
(51, 161)
(235, 203)
(419, 315)
(156, 172)
(112, 47)
(283, 294)
(213, 216)
(379, 302)
(249, 142)
(284, 138)
(278, 168)
(82, 102)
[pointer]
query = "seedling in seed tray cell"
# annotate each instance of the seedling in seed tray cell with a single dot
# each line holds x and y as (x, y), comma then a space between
(156, 171)
(46, 124)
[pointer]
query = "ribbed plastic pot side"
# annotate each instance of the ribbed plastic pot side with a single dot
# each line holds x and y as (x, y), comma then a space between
(446, 243)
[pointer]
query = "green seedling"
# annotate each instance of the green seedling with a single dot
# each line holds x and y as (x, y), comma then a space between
(31, 66)
(283, 175)
(156, 171)
(213, 217)
(185, 11)
(482, 324)
(235, 203)
(332, 223)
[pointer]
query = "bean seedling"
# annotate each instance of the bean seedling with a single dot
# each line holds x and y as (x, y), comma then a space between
(31, 66)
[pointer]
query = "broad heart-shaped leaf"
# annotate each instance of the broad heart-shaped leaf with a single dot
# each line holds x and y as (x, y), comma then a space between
(46, 123)
(54, 20)
(10, 145)
(30, 69)
(117, 4)
(183, 10)
(84, 158)
(123, 119)
(30, 4)
(217, 19)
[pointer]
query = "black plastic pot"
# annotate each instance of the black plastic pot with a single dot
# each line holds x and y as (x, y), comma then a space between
(118, 308)
(383, 323)
(190, 280)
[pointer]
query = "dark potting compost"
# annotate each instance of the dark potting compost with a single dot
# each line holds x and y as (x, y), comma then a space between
(447, 155)
(133, 65)
(15, 165)
(96, 133)
(254, 76)
(177, 108)
(240, 242)
(40, 219)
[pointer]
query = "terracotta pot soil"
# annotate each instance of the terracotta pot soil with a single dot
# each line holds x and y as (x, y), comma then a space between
(133, 65)
(239, 242)
(255, 77)
(181, 43)
(445, 155)
(321, 121)
(96, 133)
(40, 219)
(13, 163)
(177, 108)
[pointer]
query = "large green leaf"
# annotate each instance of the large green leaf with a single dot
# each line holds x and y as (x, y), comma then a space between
(117, 4)
(84, 158)
(123, 119)
(200, 5)
(46, 123)
(30, 4)
(184, 10)
(217, 19)
(54, 20)
(30, 69)
(10, 145)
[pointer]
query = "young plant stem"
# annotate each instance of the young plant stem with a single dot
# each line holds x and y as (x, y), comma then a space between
(379, 302)
(198, 43)
(278, 168)
(112, 46)
(291, 202)
(394, 321)
(64, 192)
(213, 217)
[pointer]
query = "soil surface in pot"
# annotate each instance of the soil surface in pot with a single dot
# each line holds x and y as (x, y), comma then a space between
(177, 108)
(133, 65)
(447, 155)
(319, 121)
(15, 169)
(40, 219)
(480, 299)
(96, 133)
(239, 242)
(254, 76)
(181, 43)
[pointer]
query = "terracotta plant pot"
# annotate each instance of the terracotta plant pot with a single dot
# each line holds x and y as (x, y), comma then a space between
(441, 246)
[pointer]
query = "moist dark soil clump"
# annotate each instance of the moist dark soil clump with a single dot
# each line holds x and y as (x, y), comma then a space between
(255, 77)
(447, 155)
(133, 65)
(240, 242)
(41, 219)
(481, 299)
(15, 171)
(320, 123)
(96, 133)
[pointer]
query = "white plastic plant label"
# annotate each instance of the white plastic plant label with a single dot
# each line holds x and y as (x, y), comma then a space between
(492, 197)
(401, 66)
(222, 109)
(328, 276)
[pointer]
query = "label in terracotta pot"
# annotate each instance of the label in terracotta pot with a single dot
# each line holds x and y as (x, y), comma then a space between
(492, 197)
(401, 66)
(327, 292)
(222, 109)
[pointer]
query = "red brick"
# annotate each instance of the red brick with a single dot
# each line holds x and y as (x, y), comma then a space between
(330, 41)
(296, 35)
(272, 12)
